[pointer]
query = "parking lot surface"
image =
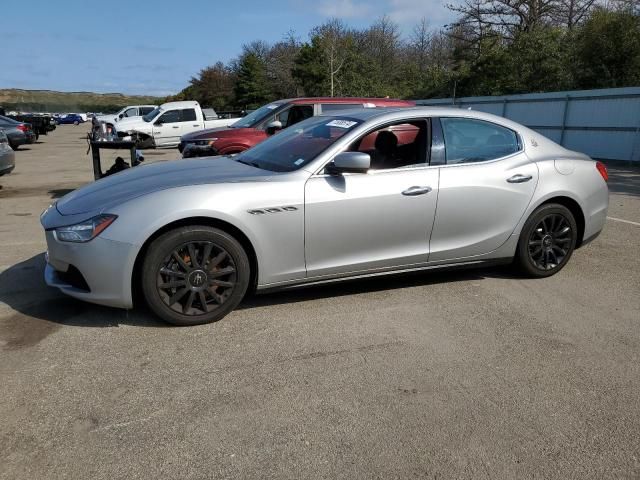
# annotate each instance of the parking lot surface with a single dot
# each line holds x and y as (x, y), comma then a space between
(465, 374)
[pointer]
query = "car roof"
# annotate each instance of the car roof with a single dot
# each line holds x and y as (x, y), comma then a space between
(394, 113)
(338, 100)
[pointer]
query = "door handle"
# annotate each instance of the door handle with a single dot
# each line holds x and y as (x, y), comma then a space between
(176, 126)
(519, 178)
(416, 190)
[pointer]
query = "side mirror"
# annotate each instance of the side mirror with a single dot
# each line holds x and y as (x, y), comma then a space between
(158, 123)
(121, 115)
(273, 127)
(350, 162)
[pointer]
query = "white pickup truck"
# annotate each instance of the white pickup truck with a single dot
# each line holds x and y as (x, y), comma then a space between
(164, 126)
(126, 112)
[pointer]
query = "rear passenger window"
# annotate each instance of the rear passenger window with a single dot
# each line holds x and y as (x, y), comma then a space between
(188, 115)
(468, 140)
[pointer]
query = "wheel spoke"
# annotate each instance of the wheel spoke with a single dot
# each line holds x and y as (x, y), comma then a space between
(193, 255)
(187, 306)
(173, 284)
(180, 260)
(562, 251)
(215, 261)
(215, 295)
(203, 301)
(563, 232)
(536, 252)
(221, 283)
(206, 253)
(221, 273)
(535, 242)
(172, 273)
(178, 295)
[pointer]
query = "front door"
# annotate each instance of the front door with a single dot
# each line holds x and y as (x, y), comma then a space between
(358, 222)
(167, 129)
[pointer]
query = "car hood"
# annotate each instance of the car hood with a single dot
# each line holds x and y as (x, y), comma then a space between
(128, 123)
(221, 132)
(135, 182)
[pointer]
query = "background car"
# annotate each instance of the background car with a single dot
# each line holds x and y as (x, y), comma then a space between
(18, 133)
(270, 118)
(70, 119)
(7, 157)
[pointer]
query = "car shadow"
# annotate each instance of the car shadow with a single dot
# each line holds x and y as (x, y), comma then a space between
(38, 307)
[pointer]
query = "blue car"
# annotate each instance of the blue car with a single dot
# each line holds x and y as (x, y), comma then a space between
(71, 118)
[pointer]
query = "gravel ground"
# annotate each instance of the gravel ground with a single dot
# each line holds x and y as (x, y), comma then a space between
(474, 374)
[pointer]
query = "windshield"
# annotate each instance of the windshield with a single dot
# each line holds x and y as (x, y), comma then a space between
(296, 146)
(256, 116)
(152, 114)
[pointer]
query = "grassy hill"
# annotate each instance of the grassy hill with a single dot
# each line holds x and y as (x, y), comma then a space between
(52, 101)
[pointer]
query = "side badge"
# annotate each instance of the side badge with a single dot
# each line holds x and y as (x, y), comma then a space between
(534, 143)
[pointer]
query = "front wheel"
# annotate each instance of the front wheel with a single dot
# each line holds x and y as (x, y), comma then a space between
(194, 275)
(547, 241)
(76, 122)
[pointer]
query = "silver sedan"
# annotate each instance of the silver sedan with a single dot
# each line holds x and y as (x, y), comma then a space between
(7, 157)
(367, 192)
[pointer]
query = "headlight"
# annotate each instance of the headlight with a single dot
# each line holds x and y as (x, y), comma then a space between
(206, 142)
(85, 231)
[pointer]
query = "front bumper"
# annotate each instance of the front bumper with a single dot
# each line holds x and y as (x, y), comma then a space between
(106, 267)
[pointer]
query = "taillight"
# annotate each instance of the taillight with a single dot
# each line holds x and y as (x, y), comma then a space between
(23, 127)
(603, 171)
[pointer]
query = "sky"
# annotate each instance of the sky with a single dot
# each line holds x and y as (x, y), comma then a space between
(154, 47)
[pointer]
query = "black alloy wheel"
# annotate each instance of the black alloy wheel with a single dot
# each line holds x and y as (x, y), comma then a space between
(195, 275)
(547, 240)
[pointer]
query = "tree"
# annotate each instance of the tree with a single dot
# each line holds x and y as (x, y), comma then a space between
(607, 50)
(251, 89)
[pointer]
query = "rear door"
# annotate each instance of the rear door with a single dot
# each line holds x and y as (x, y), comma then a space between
(486, 184)
(190, 122)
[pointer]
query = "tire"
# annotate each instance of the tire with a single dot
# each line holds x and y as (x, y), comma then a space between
(175, 287)
(545, 245)
(76, 122)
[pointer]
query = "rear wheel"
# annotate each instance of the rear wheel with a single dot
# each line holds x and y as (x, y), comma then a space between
(194, 275)
(547, 241)
(76, 122)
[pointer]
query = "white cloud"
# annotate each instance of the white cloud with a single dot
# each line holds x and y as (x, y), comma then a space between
(344, 9)
(410, 12)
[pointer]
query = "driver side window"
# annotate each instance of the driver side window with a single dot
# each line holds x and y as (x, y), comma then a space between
(131, 112)
(395, 146)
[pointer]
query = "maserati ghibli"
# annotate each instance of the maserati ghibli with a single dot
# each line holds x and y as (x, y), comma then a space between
(363, 193)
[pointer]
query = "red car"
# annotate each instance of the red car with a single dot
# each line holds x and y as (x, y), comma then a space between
(267, 120)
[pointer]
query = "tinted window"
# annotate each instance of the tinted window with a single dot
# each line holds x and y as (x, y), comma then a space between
(145, 110)
(172, 116)
(295, 114)
(330, 107)
(188, 115)
(131, 112)
(468, 140)
(295, 147)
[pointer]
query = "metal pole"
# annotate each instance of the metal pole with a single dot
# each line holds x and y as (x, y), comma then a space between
(564, 119)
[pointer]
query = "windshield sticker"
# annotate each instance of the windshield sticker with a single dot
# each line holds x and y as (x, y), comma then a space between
(299, 161)
(271, 107)
(341, 123)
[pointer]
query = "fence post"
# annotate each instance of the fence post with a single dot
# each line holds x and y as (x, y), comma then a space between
(504, 108)
(564, 119)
